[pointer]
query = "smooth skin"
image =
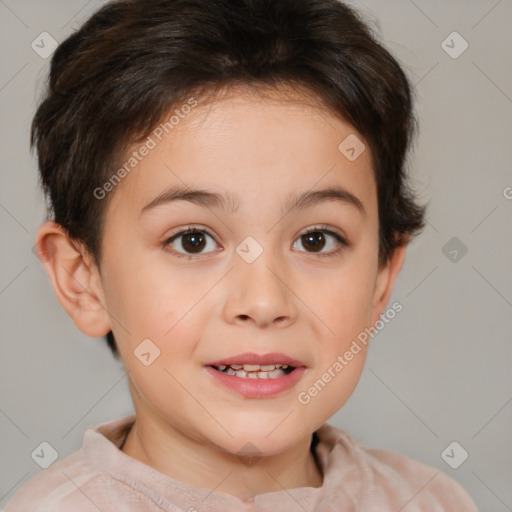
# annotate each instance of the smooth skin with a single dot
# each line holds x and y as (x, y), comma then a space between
(307, 303)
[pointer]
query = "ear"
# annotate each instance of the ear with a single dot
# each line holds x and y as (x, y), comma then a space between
(385, 281)
(75, 279)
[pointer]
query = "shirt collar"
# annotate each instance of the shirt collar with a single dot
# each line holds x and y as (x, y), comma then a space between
(330, 445)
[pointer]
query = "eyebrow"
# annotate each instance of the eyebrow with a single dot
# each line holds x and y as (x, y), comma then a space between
(230, 202)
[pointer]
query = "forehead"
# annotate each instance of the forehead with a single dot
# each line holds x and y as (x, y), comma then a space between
(251, 146)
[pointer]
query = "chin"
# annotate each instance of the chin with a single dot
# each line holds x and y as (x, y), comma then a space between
(262, 439)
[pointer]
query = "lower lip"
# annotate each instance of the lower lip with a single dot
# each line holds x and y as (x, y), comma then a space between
(257, 388)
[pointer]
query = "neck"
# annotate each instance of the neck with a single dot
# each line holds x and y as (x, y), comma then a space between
(197, 463)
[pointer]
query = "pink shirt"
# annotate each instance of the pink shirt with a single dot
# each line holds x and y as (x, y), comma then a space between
(100, 477)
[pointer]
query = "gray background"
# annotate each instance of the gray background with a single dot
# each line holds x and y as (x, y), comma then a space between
(439, 372)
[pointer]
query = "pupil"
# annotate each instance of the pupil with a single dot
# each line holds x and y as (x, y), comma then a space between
(313, 239)
(197, 242)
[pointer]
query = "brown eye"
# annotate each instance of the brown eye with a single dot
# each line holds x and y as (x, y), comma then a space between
(314, 241)
(192, 241)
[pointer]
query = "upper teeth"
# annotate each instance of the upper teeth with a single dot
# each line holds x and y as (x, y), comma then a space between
(254, 371)
(254, 367)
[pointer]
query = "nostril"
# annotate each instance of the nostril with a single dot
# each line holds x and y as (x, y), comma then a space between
(244, 317)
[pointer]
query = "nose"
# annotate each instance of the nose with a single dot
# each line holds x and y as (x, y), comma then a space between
(260, 293)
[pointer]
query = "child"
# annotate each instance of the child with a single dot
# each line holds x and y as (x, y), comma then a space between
(229, 207)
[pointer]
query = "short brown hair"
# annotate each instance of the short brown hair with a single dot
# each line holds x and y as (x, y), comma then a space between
(113, 80)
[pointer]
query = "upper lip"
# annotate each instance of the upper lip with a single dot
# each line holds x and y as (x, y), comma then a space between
(253, 358)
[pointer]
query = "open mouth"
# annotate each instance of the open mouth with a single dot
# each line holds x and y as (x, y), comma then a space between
(257, 375)
(255, 371)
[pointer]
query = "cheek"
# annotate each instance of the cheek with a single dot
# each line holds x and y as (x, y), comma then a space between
(156, 303)
(163, 385)
(332, 384)
(341, 302)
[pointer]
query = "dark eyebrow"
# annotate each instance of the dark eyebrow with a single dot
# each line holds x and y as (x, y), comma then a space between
(206, 198)
(230, 202)
(313, 197)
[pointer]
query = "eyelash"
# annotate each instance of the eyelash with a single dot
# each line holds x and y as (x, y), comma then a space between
(316, 229)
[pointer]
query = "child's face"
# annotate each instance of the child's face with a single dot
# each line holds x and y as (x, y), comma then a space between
(292, 300)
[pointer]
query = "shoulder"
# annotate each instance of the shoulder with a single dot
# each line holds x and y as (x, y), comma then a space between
(425, 484)
(86, 480)
(389, 480)
(64, 485)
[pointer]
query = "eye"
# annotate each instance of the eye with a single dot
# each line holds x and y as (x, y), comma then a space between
(316, 239)
(194, 240)
(191, 240)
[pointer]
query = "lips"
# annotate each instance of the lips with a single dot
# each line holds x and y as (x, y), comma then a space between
(274, 358)
(252, 376)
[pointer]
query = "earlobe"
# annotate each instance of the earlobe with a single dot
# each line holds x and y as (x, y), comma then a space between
(385, 281)
(74, 279)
